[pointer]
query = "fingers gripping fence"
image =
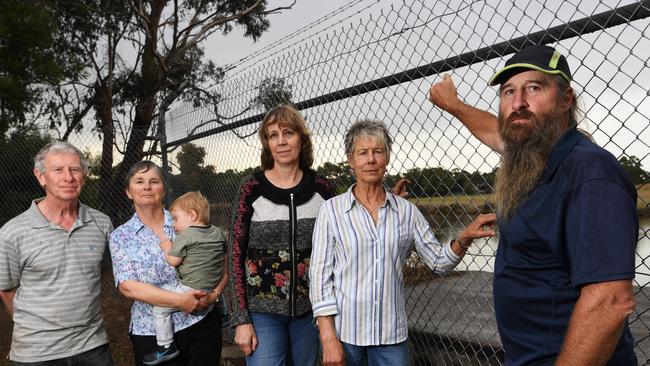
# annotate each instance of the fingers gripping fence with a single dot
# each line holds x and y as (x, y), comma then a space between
(382, 66)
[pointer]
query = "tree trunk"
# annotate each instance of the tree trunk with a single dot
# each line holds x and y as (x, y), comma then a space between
(134, 151)
(109, 193)
(149, 86)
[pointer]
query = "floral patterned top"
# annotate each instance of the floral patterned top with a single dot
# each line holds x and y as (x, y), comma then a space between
(136, 254)
(270, 246)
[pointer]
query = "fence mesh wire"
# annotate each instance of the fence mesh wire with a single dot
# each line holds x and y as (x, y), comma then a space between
(381, 66)
(379, 62)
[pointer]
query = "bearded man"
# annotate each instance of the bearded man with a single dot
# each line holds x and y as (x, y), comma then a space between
(567, 217)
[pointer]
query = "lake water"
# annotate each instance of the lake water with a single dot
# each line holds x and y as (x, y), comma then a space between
(481, 256)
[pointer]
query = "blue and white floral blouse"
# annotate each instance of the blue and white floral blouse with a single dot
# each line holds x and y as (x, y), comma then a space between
(137, 255)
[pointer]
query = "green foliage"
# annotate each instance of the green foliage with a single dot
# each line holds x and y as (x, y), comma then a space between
(632, 166)
(19, 186)
(339, 174)
(436, 182)
(273, 92)
(219, 188)
(41, 47)
(190, 159)
(30, 59)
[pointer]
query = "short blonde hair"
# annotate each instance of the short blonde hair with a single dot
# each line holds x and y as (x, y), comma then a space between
(193, 201)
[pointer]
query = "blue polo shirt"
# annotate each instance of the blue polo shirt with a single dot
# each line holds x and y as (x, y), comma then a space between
(578, 226)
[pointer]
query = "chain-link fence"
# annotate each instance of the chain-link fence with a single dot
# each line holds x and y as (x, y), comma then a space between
(377, 60)
(381, 66)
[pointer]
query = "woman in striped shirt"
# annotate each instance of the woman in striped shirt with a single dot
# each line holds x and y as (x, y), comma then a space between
(360, 243)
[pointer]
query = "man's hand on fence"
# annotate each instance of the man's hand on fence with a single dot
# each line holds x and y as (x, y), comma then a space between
(444, 95)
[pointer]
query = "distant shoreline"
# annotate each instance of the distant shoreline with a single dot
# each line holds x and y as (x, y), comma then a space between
(473, 204)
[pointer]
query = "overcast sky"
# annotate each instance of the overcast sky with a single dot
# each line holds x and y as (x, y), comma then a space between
(232, 47)
(351, 49)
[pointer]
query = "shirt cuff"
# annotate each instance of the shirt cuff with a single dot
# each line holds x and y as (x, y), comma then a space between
(455, 258)
(240, 317)
(325, 308)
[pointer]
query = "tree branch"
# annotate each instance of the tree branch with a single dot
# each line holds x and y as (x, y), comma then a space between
(192, 40)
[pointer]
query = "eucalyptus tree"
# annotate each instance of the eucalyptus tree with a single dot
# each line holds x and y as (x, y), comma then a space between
(140, 57)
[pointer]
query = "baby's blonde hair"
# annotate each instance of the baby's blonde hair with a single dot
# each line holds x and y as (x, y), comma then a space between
(194, 201)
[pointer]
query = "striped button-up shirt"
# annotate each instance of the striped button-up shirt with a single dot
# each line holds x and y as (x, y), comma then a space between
(356, 270)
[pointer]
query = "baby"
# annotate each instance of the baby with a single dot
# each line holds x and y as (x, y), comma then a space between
(198, 253)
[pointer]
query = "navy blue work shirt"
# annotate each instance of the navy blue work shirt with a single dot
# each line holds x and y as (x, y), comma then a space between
(578, 226)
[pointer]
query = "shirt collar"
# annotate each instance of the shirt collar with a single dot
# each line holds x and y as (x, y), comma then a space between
(38, 220)
(561, 149)
(35, 216)
(351, 200)
(135, 224)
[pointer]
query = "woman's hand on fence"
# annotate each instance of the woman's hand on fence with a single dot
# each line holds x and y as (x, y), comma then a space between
(246, 338)
(444, 94)
(400, 188)
(481, 227)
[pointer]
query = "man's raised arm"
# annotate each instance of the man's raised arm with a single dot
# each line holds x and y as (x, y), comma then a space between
(483, 125)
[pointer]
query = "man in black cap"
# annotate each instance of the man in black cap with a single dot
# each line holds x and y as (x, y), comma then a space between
(567, 220)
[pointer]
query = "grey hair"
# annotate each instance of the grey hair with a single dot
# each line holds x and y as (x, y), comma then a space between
(58, 147)
(369, 128)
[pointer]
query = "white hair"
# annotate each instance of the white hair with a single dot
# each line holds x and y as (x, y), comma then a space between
(58, 147)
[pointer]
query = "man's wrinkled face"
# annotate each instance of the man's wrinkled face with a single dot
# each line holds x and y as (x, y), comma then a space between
(533, 114)
(63, 177)
(525, 100)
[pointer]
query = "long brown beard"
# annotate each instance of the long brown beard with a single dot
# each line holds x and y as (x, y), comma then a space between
(525, 157)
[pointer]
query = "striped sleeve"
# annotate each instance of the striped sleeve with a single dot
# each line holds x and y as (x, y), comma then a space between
(321, 270)
(9, 261)
(439, 257)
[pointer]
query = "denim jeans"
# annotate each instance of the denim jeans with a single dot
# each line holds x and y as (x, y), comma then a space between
(284, 340)
(100, 356)
(393, 354)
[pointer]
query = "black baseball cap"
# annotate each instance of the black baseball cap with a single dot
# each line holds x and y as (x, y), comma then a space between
(541, 58)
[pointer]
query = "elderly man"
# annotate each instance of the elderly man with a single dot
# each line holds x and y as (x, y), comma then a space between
(567, 217)
(50, 258)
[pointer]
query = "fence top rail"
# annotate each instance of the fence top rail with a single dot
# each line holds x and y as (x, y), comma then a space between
(590, 24)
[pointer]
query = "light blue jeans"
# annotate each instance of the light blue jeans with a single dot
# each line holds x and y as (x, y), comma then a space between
(284, 340)
(393, 355)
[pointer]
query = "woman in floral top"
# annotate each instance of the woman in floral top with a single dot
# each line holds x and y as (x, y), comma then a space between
(141, 273)
(270, 246)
